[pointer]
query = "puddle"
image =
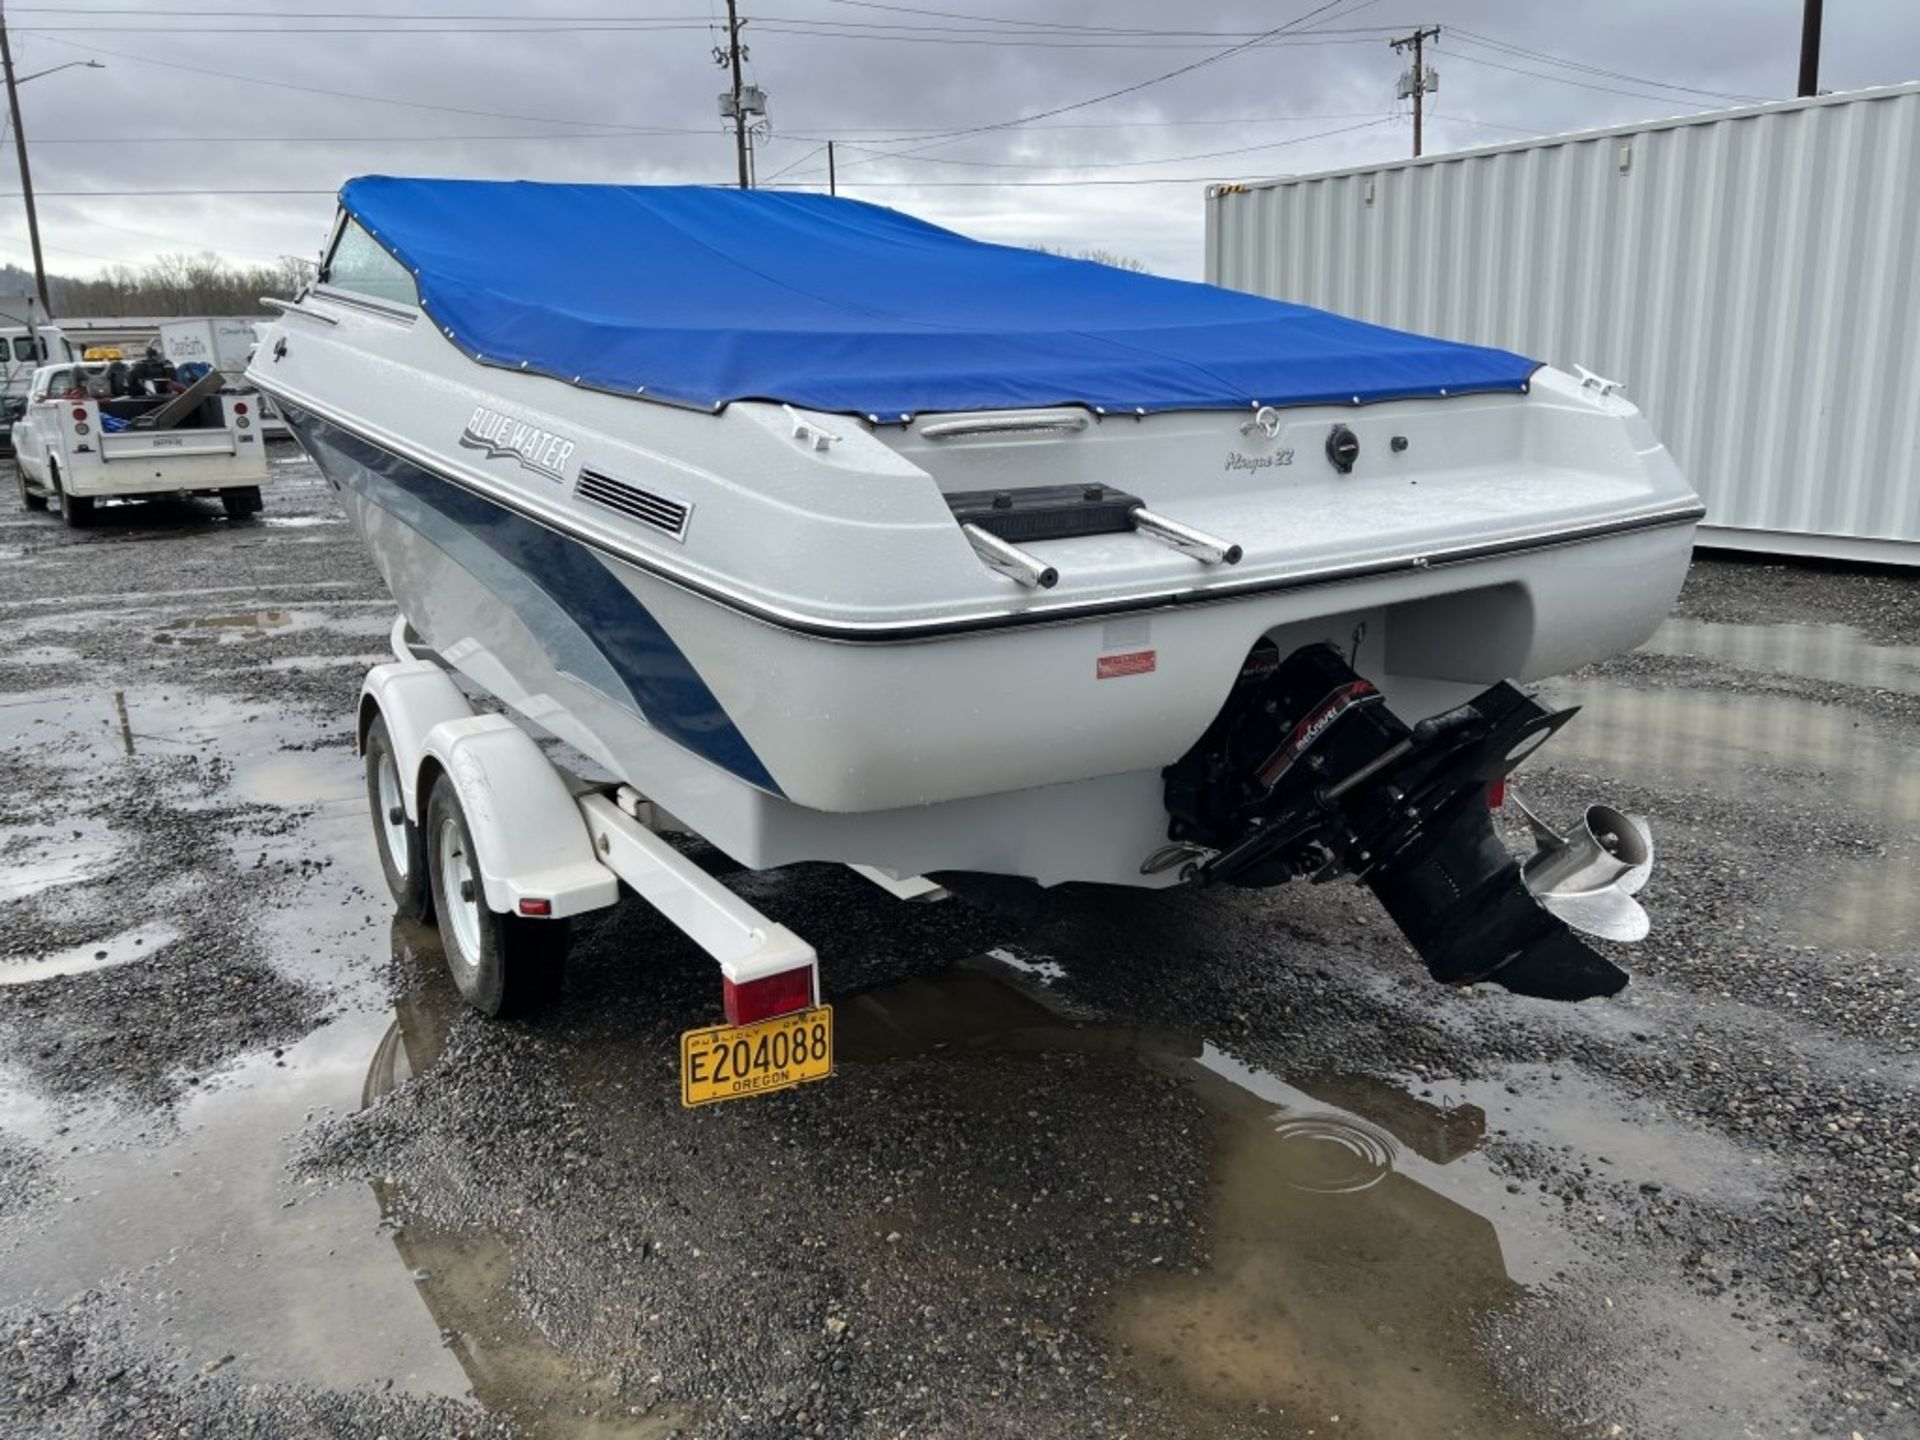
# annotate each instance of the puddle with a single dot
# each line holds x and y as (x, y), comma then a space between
(245, 620)
(464, 1277)
(1359, 1241)
(215, 629)
(1343, 1296)
(44, 857)
(228, 1257)
(298, 779)
(137, 944)
(1817, 652)
(77, 729)
(366, 660)
(1340, 1285)
(44, 655)
(1039, 967)
(1632, 1144)
(1762, 749)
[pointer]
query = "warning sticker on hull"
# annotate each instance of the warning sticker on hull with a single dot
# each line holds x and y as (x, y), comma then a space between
(1134, 662)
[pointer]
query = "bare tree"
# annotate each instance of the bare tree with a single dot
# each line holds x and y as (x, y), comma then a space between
(1097, 256)
(172, 284)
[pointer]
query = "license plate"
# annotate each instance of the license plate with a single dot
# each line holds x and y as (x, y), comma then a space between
(733, 1062)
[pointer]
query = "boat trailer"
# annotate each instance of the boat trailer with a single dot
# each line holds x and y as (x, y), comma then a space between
(1305, 773)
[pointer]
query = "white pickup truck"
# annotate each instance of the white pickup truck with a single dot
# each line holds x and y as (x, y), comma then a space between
(74, 449)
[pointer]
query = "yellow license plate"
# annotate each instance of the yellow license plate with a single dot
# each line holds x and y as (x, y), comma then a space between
(733, 1062)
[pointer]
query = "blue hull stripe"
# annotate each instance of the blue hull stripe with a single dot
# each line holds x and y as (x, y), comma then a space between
(593, 624)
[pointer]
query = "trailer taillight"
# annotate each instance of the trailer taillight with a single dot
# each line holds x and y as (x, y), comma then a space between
(770, 995)
(239, 407)
(539, 909)
(79, 412)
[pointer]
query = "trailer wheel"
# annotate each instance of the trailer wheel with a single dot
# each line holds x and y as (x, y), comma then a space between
(30, 498)
(76, 510)
(403, 856)
(501, 964)
(241, 503)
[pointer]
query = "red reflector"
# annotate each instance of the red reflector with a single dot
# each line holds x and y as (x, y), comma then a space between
(770, 995)
(536, 907)
(1497, 793)
(239, 407)
(79, 412)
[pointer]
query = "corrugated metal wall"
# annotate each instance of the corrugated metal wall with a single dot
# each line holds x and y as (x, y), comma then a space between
(1752, 276)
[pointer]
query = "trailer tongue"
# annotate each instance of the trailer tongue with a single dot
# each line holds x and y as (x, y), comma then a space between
(1306, 772)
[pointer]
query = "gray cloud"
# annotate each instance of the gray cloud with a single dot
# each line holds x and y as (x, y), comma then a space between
(595, 93)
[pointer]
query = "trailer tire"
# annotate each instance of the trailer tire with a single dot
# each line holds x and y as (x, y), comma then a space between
(76, 510)
(501, 964)
(241, 503)
(403, 855)
(30, 498)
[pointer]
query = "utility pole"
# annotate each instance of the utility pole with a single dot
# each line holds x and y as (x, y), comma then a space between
(1418, 82)
(739, 110)
(26, 174)
(743, 101)
(833, 185)
(1810, 49)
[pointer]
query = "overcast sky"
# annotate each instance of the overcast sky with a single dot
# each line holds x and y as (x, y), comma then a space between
(624, 91)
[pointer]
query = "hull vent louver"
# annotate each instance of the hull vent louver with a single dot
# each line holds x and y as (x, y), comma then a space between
(657, 511)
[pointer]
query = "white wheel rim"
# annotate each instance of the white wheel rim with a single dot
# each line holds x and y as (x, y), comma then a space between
(393, 832)
(460, 915)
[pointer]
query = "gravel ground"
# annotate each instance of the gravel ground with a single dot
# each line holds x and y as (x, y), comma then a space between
(1183, 1165)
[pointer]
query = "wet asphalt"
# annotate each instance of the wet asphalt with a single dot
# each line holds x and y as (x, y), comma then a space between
(1210, 1164)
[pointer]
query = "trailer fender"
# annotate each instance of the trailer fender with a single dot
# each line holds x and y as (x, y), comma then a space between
(529, 838)
(413, 696)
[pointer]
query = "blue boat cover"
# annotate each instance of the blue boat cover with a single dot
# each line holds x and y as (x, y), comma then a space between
(703, 296)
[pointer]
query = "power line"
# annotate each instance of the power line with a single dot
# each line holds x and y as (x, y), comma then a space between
(1507, 47)
(982, 23)
(622, 135)
(794, 165)
(122, 194)
(336, 94)
(992, 39)
(1483, 124)
(1006, 184)
(1152, 80)
(1113, 164)
(851, 136)
(1565, 79)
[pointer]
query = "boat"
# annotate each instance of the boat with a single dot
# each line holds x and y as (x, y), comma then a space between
(842, 537)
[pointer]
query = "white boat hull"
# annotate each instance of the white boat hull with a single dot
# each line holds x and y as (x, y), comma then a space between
(817, 666)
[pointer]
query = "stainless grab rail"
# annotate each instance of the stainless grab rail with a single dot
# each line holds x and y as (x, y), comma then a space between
(1209, 549)
(1010, 560)
(289, 307)
(1006, 422)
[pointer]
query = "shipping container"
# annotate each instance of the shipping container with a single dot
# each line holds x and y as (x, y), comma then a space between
(1751, 276)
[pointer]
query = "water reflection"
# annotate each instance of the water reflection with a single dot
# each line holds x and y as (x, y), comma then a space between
(1817, 652)
(464, 1276)
(1785, 755)
(1337, 1284)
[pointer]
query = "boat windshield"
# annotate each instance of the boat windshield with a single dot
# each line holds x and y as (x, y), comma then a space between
(361, 265)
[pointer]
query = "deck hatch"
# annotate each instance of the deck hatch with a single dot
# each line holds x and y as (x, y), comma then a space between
(660, 512)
